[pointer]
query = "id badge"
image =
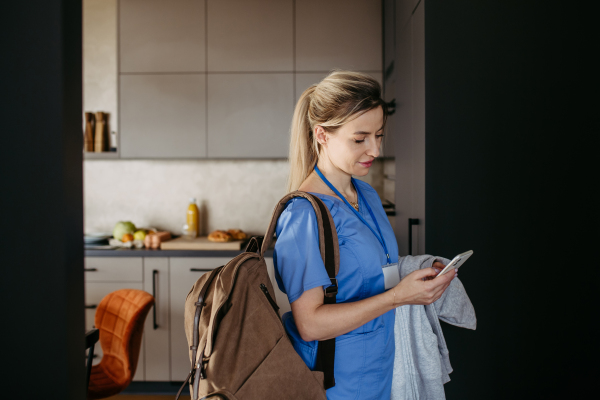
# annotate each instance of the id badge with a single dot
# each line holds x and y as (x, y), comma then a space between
(391, 275)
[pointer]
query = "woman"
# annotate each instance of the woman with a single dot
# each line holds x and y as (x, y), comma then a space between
(336, 133)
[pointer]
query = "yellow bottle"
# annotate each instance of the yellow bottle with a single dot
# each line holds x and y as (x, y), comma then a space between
(193, 218)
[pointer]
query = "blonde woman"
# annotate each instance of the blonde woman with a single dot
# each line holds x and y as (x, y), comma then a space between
(336, 134)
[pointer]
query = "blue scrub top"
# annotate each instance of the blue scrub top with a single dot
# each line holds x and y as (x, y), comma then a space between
(364, 357)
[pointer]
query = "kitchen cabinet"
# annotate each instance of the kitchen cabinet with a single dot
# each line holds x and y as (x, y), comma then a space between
(389, 74)
(338, 34)
(163, 116)
(215, 79)
(97, 269)
(250, 115)
(389, 36)
(255, 35)
(156, 327)
(405, 10)
(409, 129)
(162, 36)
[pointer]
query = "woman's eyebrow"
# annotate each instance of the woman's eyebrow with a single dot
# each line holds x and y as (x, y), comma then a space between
(366, 133)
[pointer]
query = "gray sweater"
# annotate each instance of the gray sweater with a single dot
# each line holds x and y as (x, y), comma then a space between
(422, 364)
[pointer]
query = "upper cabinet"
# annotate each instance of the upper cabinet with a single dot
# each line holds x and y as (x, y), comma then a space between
(163, 115)
(249, 115)
(256, 35)
(220, 78)
(162, 36)
(342, 34)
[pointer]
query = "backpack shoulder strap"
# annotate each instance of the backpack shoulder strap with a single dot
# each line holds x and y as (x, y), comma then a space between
(328, 243)
(330, 252)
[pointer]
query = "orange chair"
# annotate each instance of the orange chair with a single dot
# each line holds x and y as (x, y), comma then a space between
(120, 318)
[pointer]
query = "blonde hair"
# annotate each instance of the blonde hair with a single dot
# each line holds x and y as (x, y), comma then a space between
(337, 99)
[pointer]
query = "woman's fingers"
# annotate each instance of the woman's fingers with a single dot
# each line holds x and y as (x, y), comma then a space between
(440, 284)
(423, 286)
(424, 274)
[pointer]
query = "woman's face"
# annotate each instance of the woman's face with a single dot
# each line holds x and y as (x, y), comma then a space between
(354, 146)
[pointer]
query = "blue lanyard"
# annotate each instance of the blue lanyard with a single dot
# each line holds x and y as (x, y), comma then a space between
(380, 236)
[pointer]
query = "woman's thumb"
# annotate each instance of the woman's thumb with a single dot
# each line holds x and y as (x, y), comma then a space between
(425, 273)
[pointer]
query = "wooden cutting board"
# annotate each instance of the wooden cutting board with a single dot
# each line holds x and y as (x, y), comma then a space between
(200, 243)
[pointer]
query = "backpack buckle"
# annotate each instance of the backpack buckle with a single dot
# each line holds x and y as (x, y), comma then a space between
(333, 289)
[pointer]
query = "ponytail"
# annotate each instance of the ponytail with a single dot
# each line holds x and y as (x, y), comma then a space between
(303, 147)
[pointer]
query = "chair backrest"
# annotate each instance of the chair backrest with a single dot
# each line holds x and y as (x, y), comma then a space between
(120, 318)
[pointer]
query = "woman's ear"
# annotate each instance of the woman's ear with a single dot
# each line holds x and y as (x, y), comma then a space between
(320, 135)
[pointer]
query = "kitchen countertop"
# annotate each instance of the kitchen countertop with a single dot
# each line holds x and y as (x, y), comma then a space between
(166, 253)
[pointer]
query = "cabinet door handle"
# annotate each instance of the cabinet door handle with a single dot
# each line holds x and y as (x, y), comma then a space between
(90, 269)
(198, 270)
(392, 104)
(411, 222)
(91, 306)
(154, 276)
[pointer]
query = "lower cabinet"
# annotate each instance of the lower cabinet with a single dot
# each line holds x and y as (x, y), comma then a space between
(107, 274)
(164, 355)
(157, 328)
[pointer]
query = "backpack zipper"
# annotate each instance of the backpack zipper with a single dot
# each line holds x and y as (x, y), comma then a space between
(266, 292)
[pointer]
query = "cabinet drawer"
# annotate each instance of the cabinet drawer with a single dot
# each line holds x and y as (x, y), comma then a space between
(113, 269)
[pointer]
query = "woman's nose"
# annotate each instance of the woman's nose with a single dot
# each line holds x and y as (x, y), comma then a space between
(374, 148)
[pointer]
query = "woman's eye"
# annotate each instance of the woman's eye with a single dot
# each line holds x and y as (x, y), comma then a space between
(359, 141)
(379, 136)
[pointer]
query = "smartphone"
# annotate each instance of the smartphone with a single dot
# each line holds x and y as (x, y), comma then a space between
(456, 262)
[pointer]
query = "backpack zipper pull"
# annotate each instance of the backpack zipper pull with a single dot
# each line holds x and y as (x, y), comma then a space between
(268, 295)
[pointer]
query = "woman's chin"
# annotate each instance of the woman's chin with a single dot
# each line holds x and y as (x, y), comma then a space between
(360, 171)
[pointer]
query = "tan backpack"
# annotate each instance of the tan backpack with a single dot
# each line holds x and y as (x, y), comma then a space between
(238, 346)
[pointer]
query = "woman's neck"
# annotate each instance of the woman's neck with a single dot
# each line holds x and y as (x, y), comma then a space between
(338, 178)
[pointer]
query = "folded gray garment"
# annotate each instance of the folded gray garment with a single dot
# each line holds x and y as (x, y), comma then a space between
(422, 362)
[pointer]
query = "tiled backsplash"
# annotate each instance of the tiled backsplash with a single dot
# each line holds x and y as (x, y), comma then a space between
(155, 193)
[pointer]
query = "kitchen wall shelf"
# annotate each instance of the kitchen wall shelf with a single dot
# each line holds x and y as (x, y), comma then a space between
(109, 155)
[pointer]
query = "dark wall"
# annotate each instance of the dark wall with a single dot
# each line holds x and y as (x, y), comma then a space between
(511, 174)
(41, 278)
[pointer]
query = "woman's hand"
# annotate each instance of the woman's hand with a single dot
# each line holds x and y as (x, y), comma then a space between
(422, 287)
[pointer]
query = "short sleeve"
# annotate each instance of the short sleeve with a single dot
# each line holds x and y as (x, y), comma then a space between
(298, 263)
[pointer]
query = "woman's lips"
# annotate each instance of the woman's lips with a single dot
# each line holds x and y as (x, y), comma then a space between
(366, 164)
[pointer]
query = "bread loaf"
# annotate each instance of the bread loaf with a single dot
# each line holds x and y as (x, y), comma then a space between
(238, 234)
(219, 236)
(153, 240)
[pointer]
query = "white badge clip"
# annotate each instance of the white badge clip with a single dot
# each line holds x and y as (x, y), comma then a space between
(391, 275)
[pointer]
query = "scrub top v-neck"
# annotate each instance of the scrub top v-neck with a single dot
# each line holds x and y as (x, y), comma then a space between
(363, 357)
